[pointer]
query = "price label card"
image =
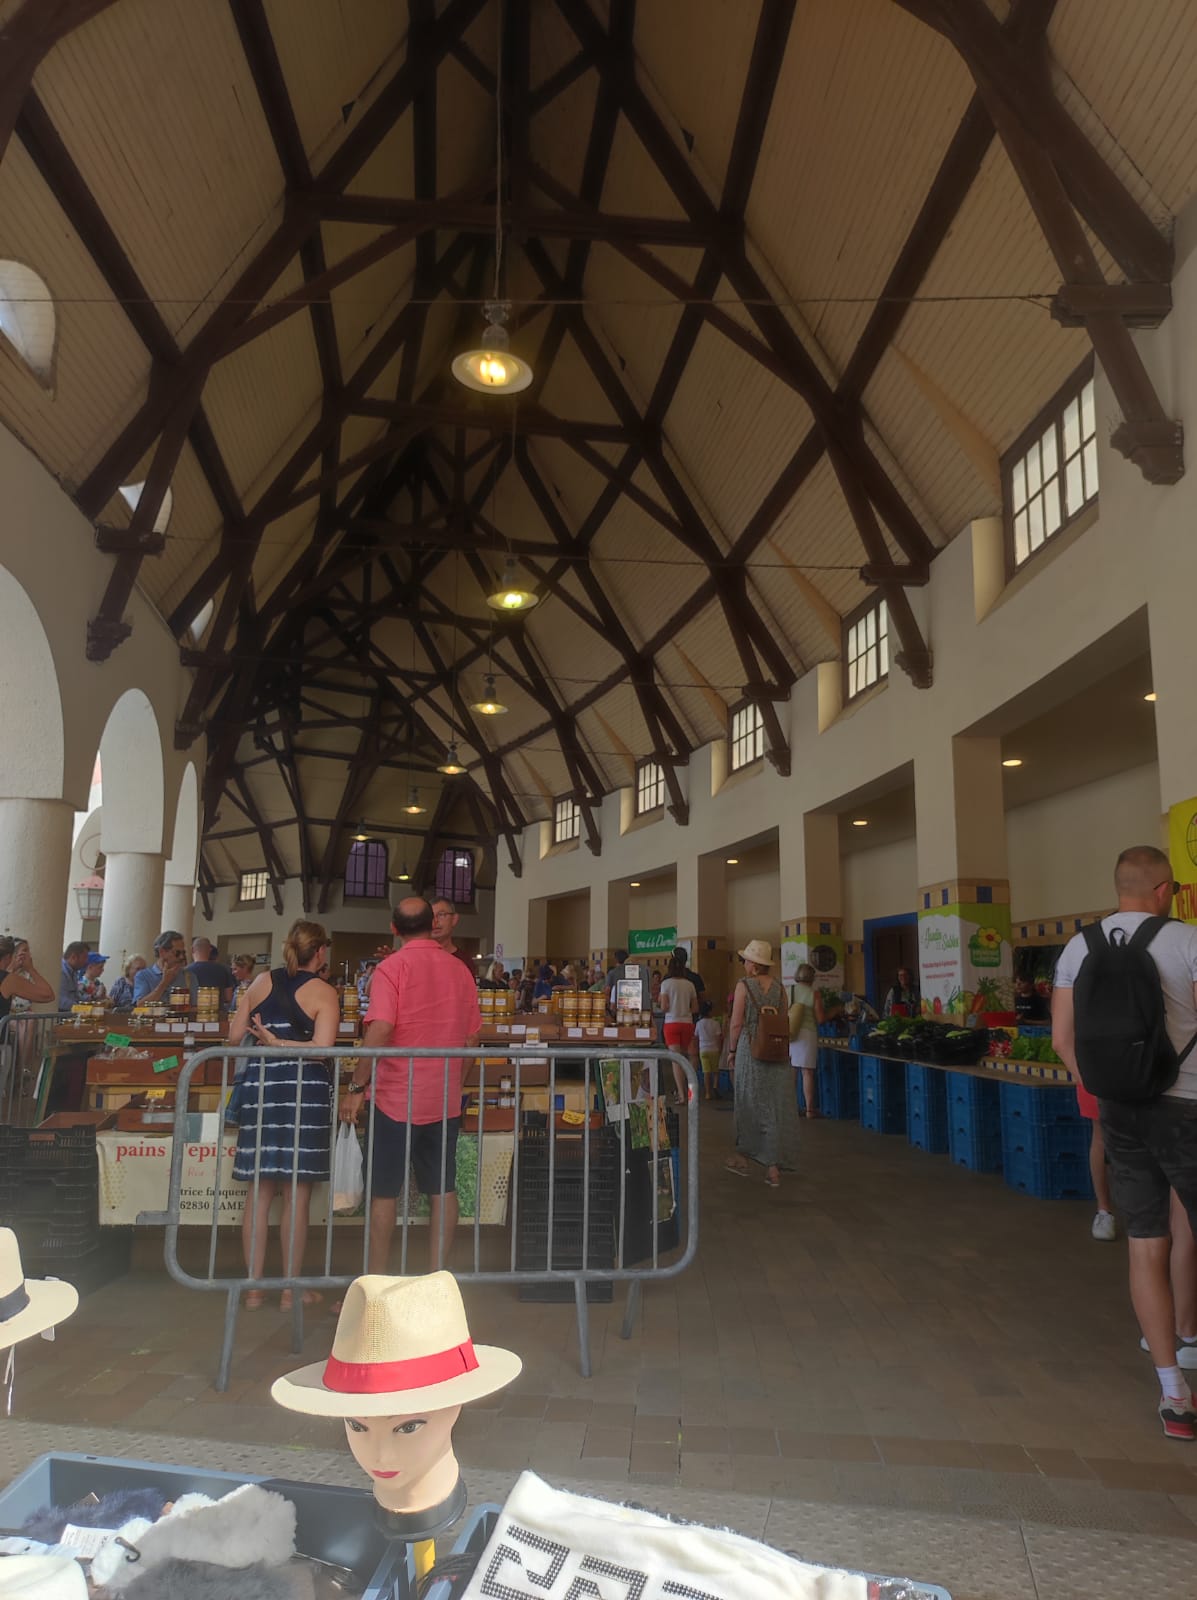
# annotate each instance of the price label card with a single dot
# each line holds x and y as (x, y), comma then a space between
(644, 1033)
(167, 1064)
(631, 970)
(610, 1033)
(162, 1027)
(211, 1027)
(178, 1027)
(117, 1041)
(85, 1543)
(573, 1033)
(518, 1028)
(503, 1027)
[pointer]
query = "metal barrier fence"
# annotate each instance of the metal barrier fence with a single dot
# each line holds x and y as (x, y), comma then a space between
(25, 1036)
(583, 1174)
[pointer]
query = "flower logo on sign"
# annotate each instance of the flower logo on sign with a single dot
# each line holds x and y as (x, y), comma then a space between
(985, 947)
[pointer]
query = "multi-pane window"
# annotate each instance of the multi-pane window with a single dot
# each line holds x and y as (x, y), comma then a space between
(567, 821)
(866, 648)
(366, 870)
(253, 886)
(747, 736)
(650, 787)
(455, 877)
(1053, 477)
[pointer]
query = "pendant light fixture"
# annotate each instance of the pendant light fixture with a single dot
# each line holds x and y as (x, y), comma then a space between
(491, 367)
(490, 705)
(404, 876)
(510, 595)
(413, 806)
(450, 766)
(361, 836)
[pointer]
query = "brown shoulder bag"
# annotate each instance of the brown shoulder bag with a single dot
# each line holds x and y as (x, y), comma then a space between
(771, 1036)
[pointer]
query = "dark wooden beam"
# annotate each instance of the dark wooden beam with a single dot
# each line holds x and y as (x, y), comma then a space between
(26, 39)
(1139, 305)
(490, 417)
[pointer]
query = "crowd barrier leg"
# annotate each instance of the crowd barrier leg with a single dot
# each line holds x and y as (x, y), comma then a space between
(632, 1310)
(583, 1310)
(231, 1307)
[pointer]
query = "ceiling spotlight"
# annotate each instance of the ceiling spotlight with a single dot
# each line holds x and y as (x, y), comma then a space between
(733, 861)
(1151, 698)
(1012, 761)
(413, 806)
(490, 705)
(510, 594)
(450, 766)
(860, 822)
(635, 883)
(490, 367)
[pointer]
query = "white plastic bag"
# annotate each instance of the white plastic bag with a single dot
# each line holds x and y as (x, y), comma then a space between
(348, 1182)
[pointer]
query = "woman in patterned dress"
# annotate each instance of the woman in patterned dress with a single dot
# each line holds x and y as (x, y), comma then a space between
(766, 1103)
(293, 1135)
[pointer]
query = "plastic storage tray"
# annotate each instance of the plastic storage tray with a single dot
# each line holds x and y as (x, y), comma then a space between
(1051, 1105)
(334, 1524)
(974, 1123)
(839, 1086)
(927, 1108)
(1062, 1176)
(882, 1095)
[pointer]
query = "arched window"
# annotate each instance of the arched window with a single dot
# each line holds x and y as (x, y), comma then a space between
(27, 319)
(131, 494)
(366, 870)
(455, 877)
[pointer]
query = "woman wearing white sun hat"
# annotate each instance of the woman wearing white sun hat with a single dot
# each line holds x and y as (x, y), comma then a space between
(402, 1366)
(766, 1105)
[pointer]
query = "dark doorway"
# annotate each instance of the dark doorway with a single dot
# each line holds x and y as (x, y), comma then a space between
(890, 943)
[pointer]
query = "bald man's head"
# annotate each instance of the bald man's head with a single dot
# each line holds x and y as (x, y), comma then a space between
(412, 917)
(1143, 876)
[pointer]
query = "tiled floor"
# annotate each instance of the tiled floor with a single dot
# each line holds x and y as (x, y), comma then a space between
(884, 1331)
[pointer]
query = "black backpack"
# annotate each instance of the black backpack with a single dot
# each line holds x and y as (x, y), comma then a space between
(1123, 1051)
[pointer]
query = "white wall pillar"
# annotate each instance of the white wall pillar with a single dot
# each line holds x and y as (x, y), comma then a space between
(35, 870)
(178, 909)
(130, 921)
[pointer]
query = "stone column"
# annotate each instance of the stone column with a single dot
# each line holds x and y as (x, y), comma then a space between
(702, 922)
(965, 948)
(131, 919)
(35, 872)
(178, 909)
(812, 894)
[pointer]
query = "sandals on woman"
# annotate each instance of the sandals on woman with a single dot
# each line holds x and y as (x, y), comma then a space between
(740, 1168)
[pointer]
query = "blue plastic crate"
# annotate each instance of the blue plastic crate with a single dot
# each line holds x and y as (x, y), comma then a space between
(882, 1095)
(1045, 1141)
(927, 1108)
(974, 1122)
(1063, 1176)
(1048, 1105)
(839, 1086)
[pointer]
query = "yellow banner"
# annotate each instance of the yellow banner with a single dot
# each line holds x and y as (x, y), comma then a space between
(1182, 851)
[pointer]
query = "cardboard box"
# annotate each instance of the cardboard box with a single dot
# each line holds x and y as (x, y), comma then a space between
(101, 1121)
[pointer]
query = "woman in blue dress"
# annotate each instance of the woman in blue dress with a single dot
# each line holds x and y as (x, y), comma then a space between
(284, 1106)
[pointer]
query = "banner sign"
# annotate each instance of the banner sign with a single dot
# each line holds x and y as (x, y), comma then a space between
(966, 960)
(652, 941)
(1182, 852)
(824, 952)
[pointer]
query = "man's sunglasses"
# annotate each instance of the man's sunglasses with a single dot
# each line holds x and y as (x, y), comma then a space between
(1163, 881)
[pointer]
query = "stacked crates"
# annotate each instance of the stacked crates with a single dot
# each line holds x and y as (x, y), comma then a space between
(532, 1246)
(927, 1108)
(839, 1086)
(974, 1123)
(1045, 1142)
(882, 1095)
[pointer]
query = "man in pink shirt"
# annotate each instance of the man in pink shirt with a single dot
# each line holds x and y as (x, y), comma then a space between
(420, 995)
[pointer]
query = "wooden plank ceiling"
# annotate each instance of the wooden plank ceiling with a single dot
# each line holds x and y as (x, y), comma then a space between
(783, 274)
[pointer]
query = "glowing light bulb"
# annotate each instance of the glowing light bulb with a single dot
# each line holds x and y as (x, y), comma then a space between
(492, 370)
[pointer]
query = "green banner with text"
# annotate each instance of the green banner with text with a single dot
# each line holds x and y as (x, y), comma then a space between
(651, 941)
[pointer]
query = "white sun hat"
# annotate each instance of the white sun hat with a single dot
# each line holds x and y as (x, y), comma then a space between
(402, 1345)
(758, 950)
(28, 1306)
(41, 1578)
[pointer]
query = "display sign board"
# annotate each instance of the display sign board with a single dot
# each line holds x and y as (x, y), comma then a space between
(651, 941)
(966, 961)
(1182, 852)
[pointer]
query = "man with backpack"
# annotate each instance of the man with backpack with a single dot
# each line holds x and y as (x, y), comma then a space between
(1124, 1017)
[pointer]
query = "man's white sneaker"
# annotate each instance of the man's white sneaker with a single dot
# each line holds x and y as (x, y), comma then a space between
(1105, 1227)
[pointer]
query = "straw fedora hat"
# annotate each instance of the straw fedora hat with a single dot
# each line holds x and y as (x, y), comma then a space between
(28, 1306)
(758, 950)
(401, 1345)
